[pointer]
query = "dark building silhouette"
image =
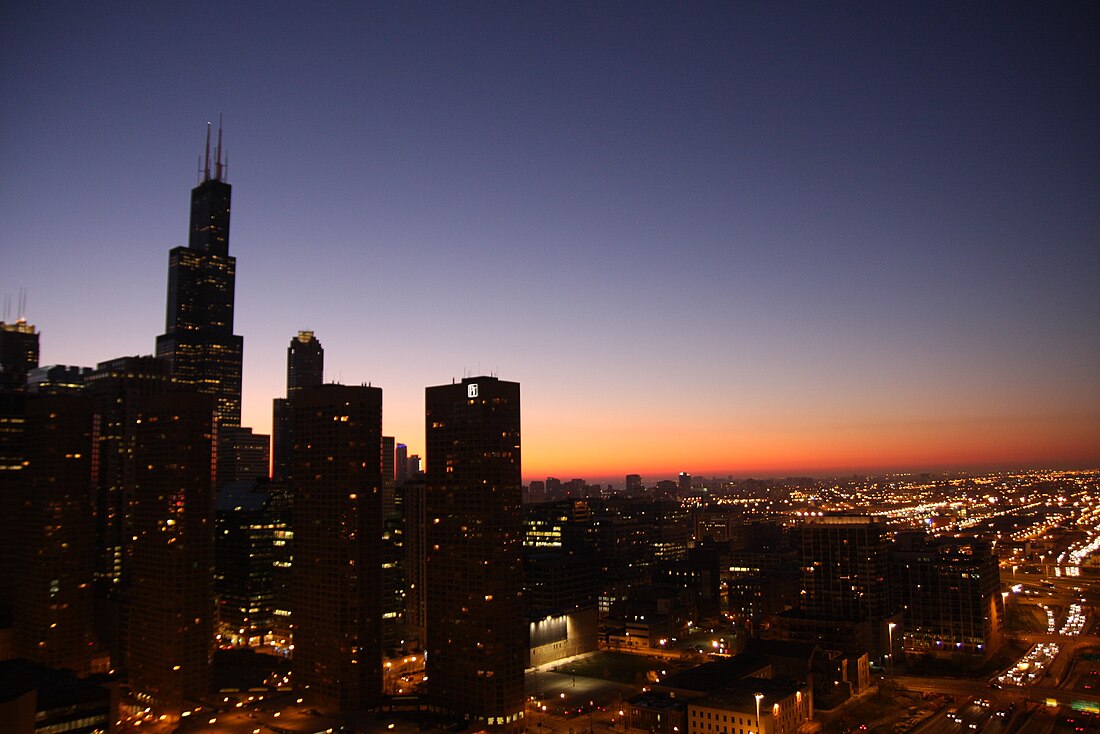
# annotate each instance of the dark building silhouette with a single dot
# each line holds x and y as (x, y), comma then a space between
(281, 443)
(305, 363)
(250, 516)
(393, 552)
(171, 624)
(57, 379)
(633, 485)
(52, 613)
(476, 640)
(632, 537)
(704, 566)
(413, 468)
(845, 567)
(556, 583)
(13, 408)
(415, 554)
(18, 353)
(305, 367)
(559, 568)
(761, 571)
(243, 455)
(117, 386)
(35, 699)
(535, 492)
(336, 486)
(198, 341)
(949, 590)
(401, 463)
(844, 603)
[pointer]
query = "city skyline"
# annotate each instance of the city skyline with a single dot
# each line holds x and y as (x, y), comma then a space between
(722, 240)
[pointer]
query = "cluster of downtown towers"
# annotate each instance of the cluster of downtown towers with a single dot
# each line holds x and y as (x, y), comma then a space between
(110, 509)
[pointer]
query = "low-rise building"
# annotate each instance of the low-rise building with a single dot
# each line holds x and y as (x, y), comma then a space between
(754, 706)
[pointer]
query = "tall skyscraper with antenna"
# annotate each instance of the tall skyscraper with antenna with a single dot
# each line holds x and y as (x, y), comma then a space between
(198, 341)
(18, 346)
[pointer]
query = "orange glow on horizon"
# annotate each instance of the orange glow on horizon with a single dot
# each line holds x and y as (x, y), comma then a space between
(657, 453)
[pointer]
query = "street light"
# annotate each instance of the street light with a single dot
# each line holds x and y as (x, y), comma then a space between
(759, 697)
(890, 632)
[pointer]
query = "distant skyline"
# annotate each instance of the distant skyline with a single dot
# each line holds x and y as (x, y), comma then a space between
(753, 239)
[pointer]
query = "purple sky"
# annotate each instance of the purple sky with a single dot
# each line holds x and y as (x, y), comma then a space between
(721, 238)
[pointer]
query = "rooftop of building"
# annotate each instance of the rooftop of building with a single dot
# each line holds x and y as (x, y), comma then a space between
(55, 687)
(717, 674)
(658, 701)
(741, 696)
(782, 649)
(20, 326)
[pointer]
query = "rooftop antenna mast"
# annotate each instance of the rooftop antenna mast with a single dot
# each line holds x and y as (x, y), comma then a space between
(218, 164)
(206, 166)
(23, 303)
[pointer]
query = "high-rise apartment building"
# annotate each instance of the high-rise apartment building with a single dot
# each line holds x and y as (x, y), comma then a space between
(474, 547)
(336, 489)
(198, 341)
(845, 567)
(305, 367)
(844, 602)
(171, 622)
(117, 386)
(949, 591)
(18, 355)
(52, 613)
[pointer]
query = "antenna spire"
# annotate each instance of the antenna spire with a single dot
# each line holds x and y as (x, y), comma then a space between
(206, 167)
(218, 165)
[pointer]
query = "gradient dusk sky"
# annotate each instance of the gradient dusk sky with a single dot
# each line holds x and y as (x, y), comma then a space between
(724, 238)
